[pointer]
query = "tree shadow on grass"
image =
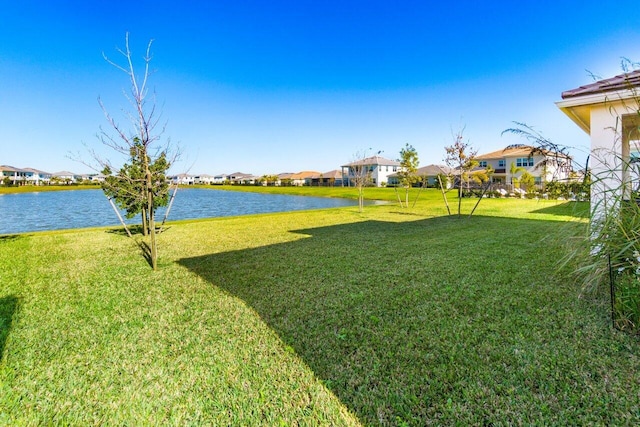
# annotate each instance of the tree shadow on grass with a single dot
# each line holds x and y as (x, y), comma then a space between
(120, 231)
(381, 311)
(8, 308)
(11, 237)
(136, 232)
(145, 249)
(574, 209)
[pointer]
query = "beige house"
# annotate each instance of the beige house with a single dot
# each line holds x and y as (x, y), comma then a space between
(332, 178)
(609, 111)
(303, 178)
(428, 176)
(543, 165)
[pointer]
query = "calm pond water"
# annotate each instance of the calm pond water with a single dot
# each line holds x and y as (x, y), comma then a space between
(55, 210)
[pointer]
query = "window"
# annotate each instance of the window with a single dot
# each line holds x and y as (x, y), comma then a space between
(502, 163)
(524, 162)
(395, 168)
(482, 163)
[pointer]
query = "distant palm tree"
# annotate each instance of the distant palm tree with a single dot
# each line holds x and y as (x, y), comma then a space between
(513, 170)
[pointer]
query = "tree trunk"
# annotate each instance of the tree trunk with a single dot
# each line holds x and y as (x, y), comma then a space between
(153, 249)
(398, 196)
(145, 227)
(460, 197)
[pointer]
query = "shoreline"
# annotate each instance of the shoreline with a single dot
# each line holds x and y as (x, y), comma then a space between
(45, 188)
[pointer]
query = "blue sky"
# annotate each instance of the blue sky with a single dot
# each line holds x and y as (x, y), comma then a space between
(270, 87)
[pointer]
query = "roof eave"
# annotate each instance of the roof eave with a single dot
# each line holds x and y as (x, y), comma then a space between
(570, 105)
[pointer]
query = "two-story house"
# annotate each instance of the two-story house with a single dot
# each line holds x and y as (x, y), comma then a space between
(203, 179)
(241, 178)
(543, 165)
(36, 176)
(24, 176)
(181, 179)
(10, 174)
(377, 168)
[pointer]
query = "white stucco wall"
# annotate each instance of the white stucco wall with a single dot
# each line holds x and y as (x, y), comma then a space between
(609, 155)
(602, 116)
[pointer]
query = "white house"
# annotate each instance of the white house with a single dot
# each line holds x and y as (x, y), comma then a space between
(36, 177)
(181, 179)
(64, 176)
(377, 167)
(609, 111)
(220, 178)
(97, 177)
(203, 179)
(23, 176)
(543, 165)
(13, 174)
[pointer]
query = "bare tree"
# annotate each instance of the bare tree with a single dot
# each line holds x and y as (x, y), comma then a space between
(461, 156)
(143, 181)
(360, 174)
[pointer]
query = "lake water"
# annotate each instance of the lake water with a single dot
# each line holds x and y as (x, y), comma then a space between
(55, 210)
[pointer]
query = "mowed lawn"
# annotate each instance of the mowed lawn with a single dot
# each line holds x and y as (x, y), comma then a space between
(330, 317)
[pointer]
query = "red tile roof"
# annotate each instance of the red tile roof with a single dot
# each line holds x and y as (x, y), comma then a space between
(622, 81)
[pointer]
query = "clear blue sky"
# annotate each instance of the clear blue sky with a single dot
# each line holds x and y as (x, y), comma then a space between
(269, 87)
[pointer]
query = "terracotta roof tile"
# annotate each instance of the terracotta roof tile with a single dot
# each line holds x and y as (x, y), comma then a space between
(622, 81)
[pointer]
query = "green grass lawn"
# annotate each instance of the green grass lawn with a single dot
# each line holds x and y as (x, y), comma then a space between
(328, 317)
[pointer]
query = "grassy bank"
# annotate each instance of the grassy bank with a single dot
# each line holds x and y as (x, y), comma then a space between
(330, 317)
(43, 188)
(370, 193)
